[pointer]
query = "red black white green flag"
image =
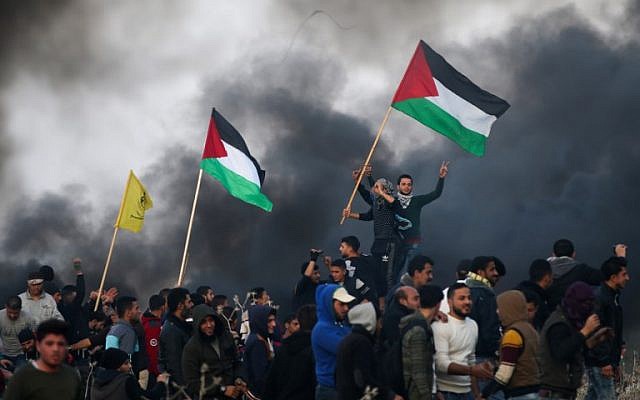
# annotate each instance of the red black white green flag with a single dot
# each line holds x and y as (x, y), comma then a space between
(227, 158)
(440, 97)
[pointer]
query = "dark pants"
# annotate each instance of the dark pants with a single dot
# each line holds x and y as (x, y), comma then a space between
(326, 393)
(457, 396)
(384, 254)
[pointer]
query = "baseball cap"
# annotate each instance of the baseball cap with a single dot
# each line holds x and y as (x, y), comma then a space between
(343, 296)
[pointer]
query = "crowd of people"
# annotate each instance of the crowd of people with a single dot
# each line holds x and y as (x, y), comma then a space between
(377, 328)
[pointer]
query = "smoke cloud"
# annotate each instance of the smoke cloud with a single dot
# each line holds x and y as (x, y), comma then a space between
(559, 163)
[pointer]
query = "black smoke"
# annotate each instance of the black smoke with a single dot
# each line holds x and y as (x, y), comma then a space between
(561, 162)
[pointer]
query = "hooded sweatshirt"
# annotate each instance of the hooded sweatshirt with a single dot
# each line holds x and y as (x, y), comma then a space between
(561, 343)
(356, 362)
(566, 271)
(517, 372)
(292, 373)
(110, 384)
(327, 335)
(258, 350)
(218, 352)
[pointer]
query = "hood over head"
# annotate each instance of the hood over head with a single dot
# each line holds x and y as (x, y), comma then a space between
(512, 306)
(324, 302)
(200, 312)
(103, 379)
(364, 315)
(259, 318)
(578, 303)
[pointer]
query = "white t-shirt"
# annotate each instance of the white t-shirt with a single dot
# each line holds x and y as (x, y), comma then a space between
(455, 341)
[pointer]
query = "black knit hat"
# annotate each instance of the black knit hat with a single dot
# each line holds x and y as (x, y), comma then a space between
(430, 295)
(24, 335)
(113, 358)
(35, 275)
(47, 273)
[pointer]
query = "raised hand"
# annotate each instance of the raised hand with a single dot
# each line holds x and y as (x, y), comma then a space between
(590, 325)
(444, 169)
(356, 172)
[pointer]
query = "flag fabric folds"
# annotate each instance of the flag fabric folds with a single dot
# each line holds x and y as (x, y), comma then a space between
(135, 202)
(440, 97)
(227, 159)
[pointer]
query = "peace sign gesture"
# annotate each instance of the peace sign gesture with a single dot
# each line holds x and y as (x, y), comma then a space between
(444, 169)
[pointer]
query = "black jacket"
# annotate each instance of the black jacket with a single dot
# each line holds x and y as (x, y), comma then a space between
(110, 384)
(219, 353)
(292, 375)
(304, 292)
(175, 335)
(140, 359)
(75, 314)
(566, 271)
(543, 308)
(609, 311)
(483, 311)
(361, 290)
(356, 364)
(257, 354)
(391, 323)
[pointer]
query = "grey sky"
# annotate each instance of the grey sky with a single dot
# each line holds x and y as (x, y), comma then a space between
(89, 90)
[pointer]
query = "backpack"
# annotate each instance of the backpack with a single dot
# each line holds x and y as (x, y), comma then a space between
(393, 360)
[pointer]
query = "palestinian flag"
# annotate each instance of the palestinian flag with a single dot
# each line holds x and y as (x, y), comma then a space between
(440, 97)
(227, 158)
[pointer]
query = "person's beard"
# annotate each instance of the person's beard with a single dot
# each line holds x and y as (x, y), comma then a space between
(458, 312)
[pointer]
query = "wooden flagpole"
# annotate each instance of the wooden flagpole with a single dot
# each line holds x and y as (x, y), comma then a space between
(106, 267)
(113, 241)
(367, 160)
(186, 244)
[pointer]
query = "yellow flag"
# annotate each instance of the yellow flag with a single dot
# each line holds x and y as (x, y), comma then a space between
(135, 202)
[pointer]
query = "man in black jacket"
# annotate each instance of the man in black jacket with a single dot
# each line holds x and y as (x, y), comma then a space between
(292, 374)
(175, 334)
(406, 301)
(567, 270)
(71, 305)
(483, 276)
(212, 352)
(540, 278)
(562, 340)
(356, 364)
(356, 287)
(305, 290)
(603, 362)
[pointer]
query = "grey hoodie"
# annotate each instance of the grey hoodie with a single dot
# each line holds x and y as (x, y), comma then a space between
(364, 315)
(566, 271)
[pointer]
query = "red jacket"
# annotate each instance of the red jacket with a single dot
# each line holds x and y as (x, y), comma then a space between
(152, 326)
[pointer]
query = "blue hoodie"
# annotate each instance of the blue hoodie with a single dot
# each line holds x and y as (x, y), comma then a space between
(327, 335)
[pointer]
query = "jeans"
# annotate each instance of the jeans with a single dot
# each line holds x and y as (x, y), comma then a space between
(456, 396)
(482, 383)
(326, 393)
(530, 396)
(600, 387)
(405, 254)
